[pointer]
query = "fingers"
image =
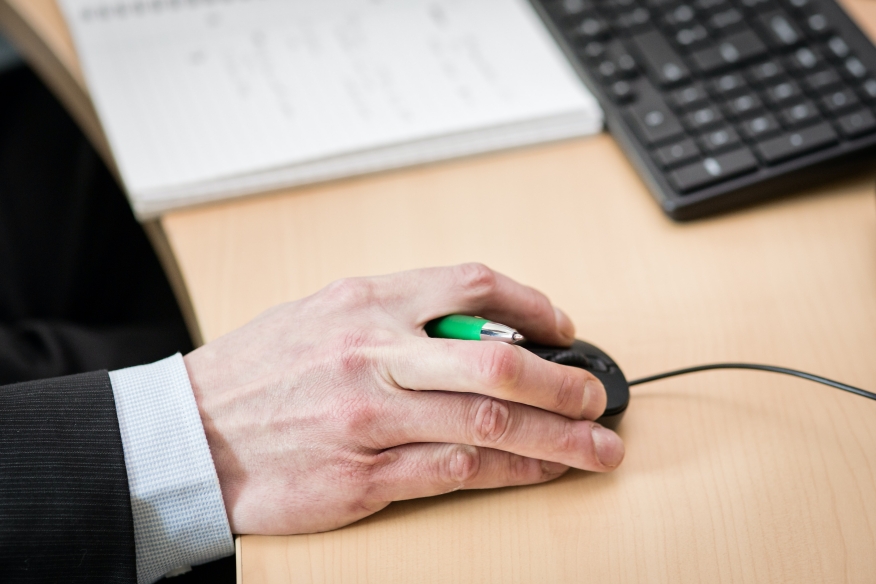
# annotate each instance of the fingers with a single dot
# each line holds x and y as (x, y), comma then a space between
(492, 423)
(424, 470)
(497, 370)
(477, 290)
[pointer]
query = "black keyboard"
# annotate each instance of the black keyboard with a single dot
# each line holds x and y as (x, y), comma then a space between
(720, 103)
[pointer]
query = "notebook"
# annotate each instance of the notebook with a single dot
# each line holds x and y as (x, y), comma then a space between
(208, 99)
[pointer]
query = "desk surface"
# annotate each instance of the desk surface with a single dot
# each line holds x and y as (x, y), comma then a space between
(729, 477)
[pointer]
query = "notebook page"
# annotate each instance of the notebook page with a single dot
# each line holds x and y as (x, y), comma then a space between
(193, 91)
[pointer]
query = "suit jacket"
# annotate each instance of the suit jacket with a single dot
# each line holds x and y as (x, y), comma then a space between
(65, 510)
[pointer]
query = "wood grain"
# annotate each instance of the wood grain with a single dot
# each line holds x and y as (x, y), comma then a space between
(729, 476)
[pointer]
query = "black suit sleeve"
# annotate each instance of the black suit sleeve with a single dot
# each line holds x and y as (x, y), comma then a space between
(38, 349)
(65, 510)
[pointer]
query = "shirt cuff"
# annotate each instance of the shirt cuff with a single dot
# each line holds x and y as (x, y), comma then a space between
(179, 514)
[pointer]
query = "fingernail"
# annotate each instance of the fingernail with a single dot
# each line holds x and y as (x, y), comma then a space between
(564, 325)
(593, 388)
(552, 468)
(608, 445)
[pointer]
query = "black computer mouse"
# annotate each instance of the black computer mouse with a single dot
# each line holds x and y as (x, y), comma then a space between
(597, 362)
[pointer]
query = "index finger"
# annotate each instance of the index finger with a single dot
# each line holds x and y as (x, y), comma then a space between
(476, 290)
(497, 370)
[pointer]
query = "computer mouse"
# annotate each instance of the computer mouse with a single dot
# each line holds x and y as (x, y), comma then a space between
(597, 362)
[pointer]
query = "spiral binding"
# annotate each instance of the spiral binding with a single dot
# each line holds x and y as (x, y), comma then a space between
(126, 8)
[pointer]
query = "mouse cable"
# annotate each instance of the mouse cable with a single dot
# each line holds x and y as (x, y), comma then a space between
(755, 367)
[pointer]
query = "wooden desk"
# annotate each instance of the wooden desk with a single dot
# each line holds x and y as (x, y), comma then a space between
(729, 476)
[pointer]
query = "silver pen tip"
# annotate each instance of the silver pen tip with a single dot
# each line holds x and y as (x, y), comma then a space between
(517, 338)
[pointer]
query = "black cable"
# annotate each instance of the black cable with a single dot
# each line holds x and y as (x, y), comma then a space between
(770, 368)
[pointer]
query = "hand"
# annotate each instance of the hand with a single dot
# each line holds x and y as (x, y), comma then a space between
(323, 411)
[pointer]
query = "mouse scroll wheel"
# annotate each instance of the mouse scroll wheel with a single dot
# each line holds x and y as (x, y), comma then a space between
(598, 364)
(572, 358)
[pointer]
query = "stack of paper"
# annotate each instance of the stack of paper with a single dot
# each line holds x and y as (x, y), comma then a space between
(207, 99)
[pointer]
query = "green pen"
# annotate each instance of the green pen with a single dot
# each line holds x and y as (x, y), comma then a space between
(471, 328)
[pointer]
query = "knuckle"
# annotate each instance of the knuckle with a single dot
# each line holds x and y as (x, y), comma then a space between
(477, 278)
(500, 365)
(359, 465)
(359, 471)
(362, 357)
(570, 441)
(348, 352)
(520, 468)
(462, 465)
(357, 418)
(569, 396)
(363, 507)
(356, 473)
(491, 421)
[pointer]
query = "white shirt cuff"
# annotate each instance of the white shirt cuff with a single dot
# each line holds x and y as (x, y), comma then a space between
(179, 514)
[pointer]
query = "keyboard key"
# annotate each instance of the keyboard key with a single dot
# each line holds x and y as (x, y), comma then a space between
(710, 5)
(679, 16)
(590, 29)
(744, 105)
(802, 114)
(783, 92)
(796, 143)
(633, 20)
(839, 101)
(678, 153)
(626, 65)
(711, 170)
(857, 123)
(727, 85)
(756, 5)
(607, 71)
(823, 80)
(736, 48)
(797, 4)
(622, 92)
(703, 118)
(689, 97)
(692, 37)
(570, 8)
(855, 68)
(718, 140)
(838, 47)
(725, 20)
(661, 61)
(623, 60)
(653, 120)
(781, 30)
(765, 72)
(760, 127)
(868, 89)
(805, 59)
(816, 25)
(593, 51)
